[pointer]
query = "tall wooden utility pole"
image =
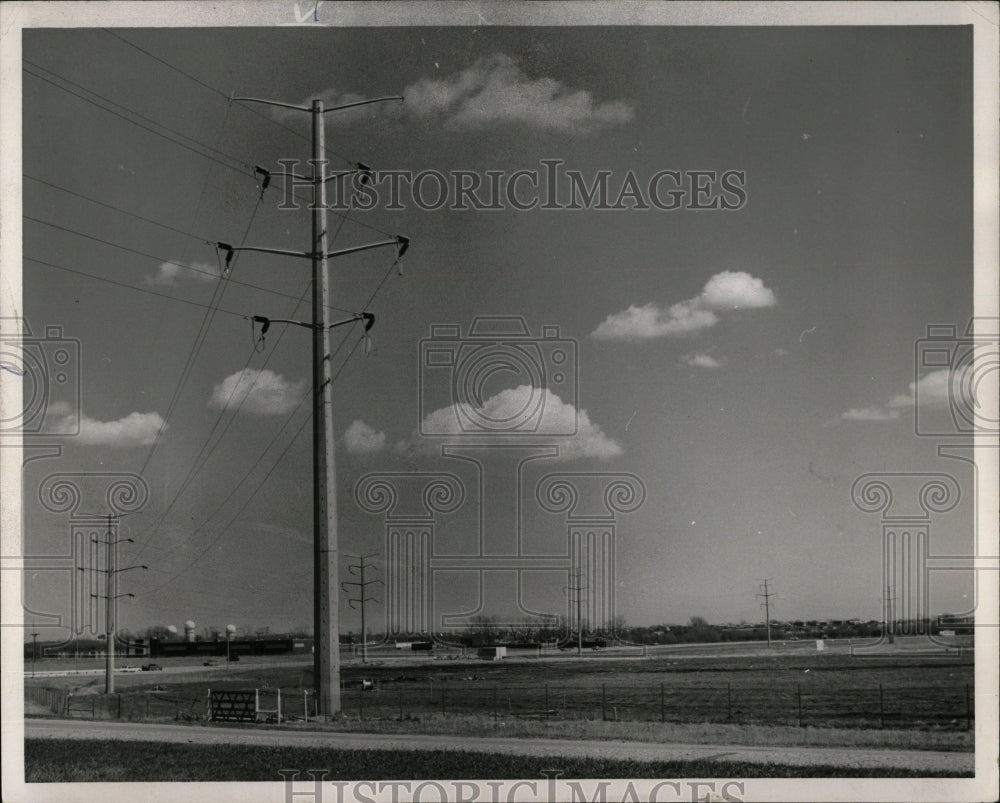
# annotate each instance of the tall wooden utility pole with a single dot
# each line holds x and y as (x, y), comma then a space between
(326, 611)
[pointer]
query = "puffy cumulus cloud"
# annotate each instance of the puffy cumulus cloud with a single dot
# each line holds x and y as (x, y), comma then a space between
(650, 321)
(360, 438)
(552, 417)
(725, 291)
(134, 429)
(932, 390)
(701, 361)
(170, 272)
(496, 90)
(736, 289)
(261, 392)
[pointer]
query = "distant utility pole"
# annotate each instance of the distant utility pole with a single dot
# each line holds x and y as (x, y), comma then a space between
(326, 610)
(577, 589)
(34, 649)
(358, 570)
(766, 593)
(112, 571)
(887, 614)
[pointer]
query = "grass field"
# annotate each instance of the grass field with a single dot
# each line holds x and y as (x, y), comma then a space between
(58, 761)
(799, 688)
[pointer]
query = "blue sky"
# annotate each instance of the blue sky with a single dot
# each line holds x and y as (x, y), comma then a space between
(747, 365)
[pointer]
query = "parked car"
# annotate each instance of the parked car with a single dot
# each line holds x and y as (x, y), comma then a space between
(211, 663)
(152, 668)
(128, 668)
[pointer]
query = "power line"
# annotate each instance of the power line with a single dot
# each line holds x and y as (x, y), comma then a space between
(219, 92)
(244, 168)
(195, 467)
(129, 286)
(114, 208)
(232, 519)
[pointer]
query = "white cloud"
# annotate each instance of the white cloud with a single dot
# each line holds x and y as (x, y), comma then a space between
(557, 417)
(873, 413)
(930, 391)
(735, 289)
(496, 90)
(134, 429)
(701, 361)
(262, 392)
(170, 272)
(727, 290)
(360, 438)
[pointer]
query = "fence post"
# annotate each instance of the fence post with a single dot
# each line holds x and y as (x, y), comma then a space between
(663, 704)
(968, 708)
(798, 692)
(208, 706)
(604, 701)
(729, 702)
(881, 706)
(305, 705)
(279, 705)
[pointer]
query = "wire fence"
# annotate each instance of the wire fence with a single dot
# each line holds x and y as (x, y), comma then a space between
(882, 706)
(885, 706)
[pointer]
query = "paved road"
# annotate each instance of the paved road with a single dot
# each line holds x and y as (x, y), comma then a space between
(846, 758)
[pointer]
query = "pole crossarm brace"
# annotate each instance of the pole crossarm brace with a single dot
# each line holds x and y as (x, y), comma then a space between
(367, 317)
(401, 241)
(309, 108)
(360, 167)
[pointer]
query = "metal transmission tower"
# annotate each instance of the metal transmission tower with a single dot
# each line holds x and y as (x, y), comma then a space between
(358, 570)
(766, 593)
(112, 571)
(326, 624)
(578, 588)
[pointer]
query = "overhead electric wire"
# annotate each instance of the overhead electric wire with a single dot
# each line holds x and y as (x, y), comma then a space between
(219, 92)
(164, 261)
(130, 286)
(196, 466)
(209, 317)
(244, 168)
(113, 207)
(253, 495)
